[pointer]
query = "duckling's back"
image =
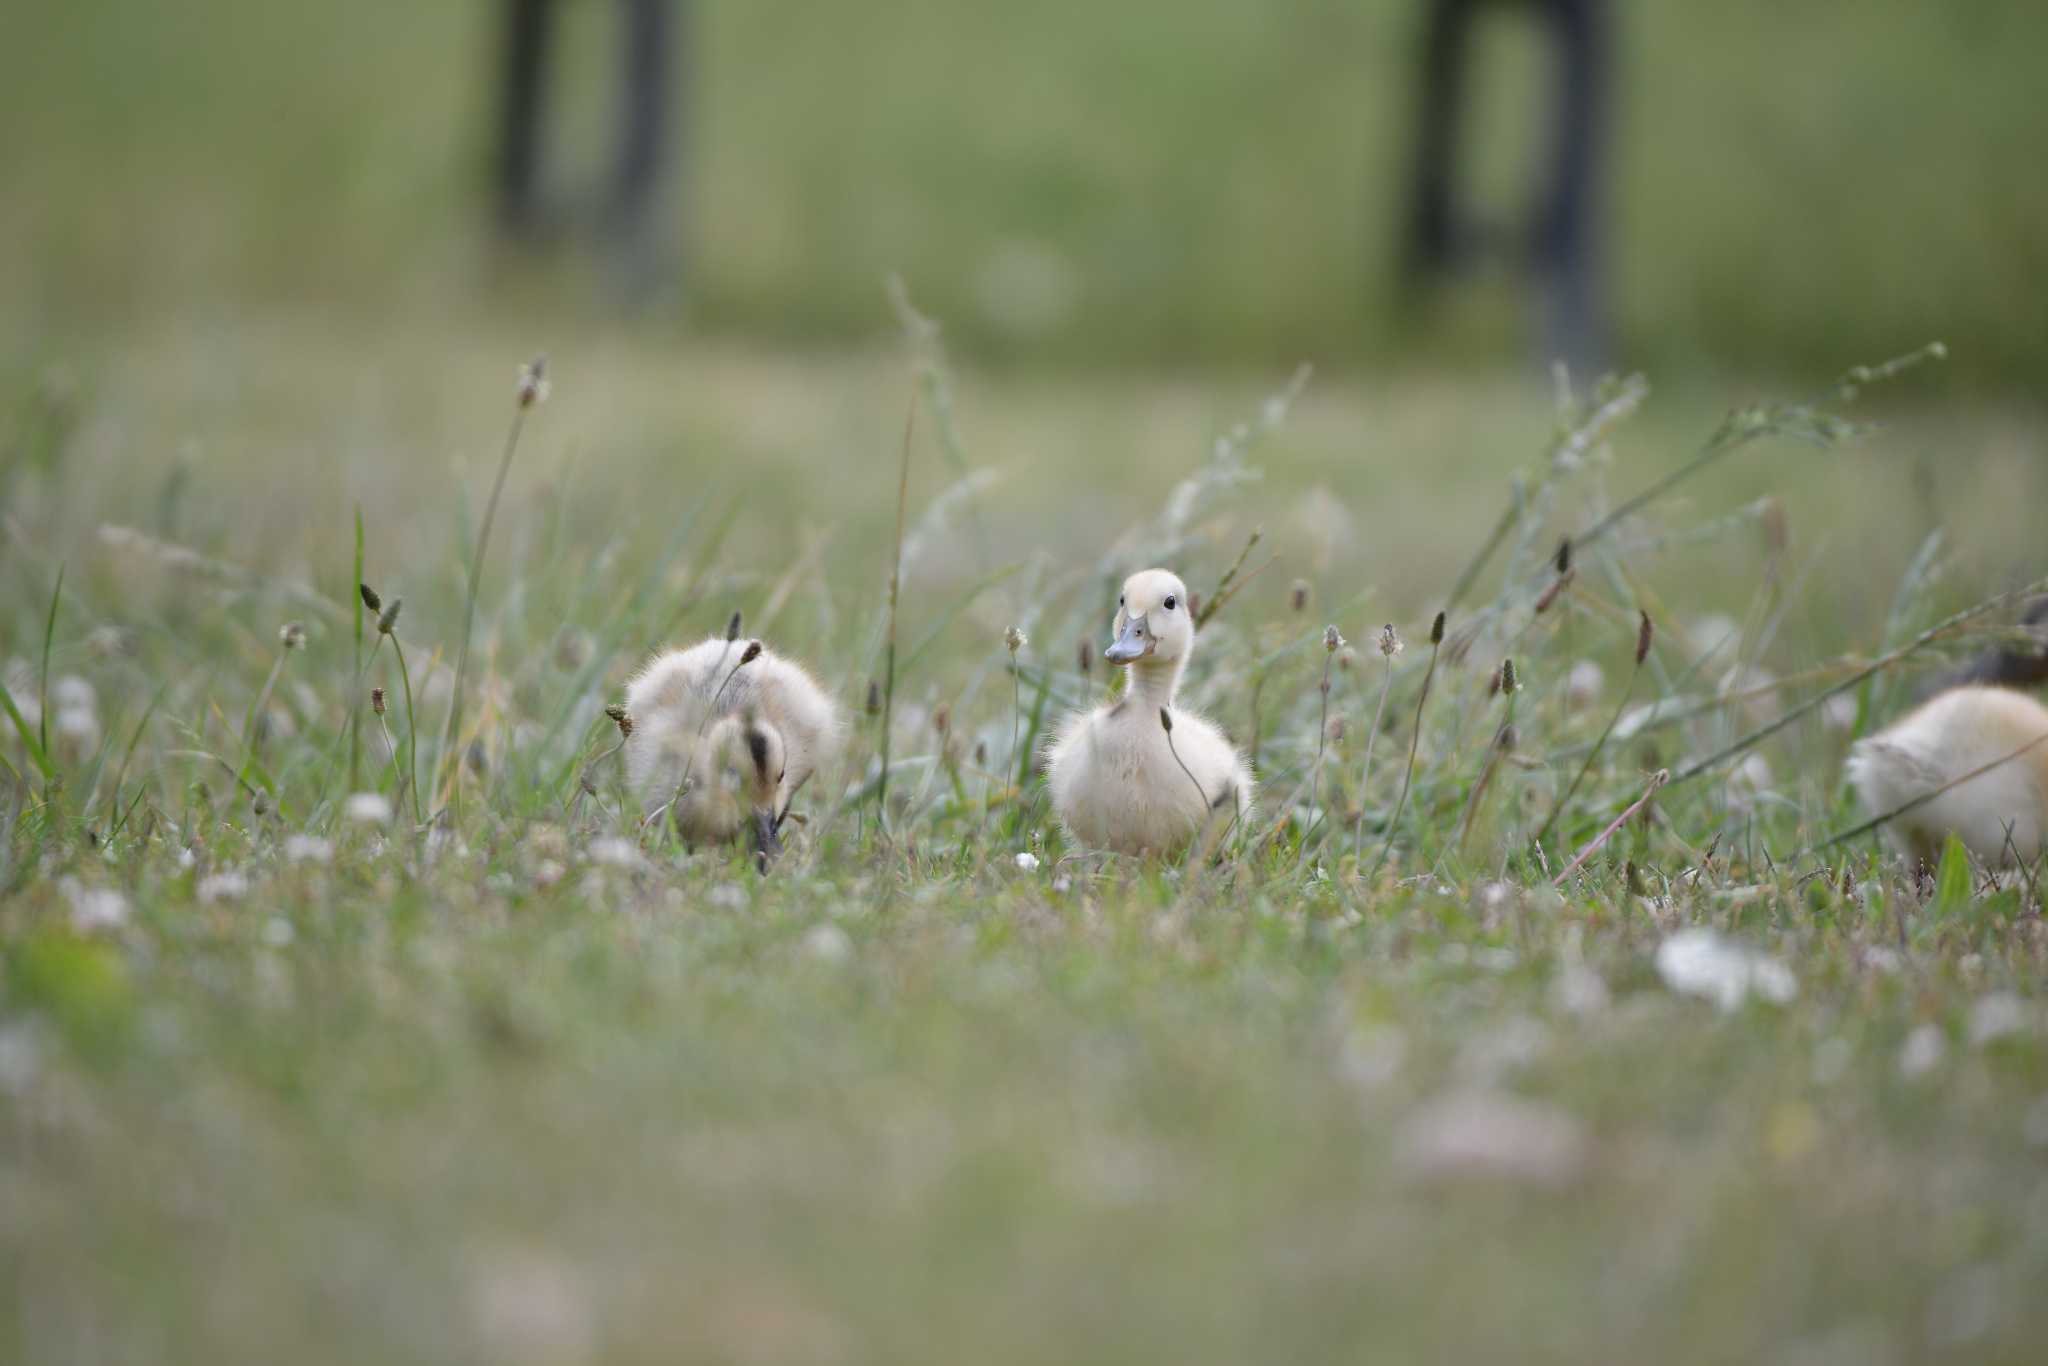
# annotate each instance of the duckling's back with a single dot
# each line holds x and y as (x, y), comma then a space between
(670, 702)
(1999, 812)
(674, 699)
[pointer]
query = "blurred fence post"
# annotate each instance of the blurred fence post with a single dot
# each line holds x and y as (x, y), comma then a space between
(1562, 243)
(650, 81)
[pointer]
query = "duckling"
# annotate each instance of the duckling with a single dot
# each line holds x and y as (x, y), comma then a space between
(1120, 778)
(725, 733)
(1958, 732)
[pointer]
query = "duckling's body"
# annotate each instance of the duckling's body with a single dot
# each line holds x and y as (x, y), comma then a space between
(1120, 780)
(728, 743)
(1997, 813)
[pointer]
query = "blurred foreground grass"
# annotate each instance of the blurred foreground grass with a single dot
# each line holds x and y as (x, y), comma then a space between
(281, 1081)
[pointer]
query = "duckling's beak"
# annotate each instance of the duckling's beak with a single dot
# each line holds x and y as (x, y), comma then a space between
(764, 839)
(1131, 645)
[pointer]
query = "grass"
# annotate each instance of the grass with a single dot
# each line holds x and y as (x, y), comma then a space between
(527, 1081)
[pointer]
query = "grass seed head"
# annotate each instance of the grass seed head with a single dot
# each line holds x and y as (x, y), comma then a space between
(387, 620)
(1166, 720)
(377, 701)
(292, 635)
(1297, 597)
(732, 627)
(874, 705)
(1015, 640)
(370, 598)
(622, 719)
(1644, 631)
(533, 382)
(751, 653)
(1436, 630)
(1333, 639)
(1507, 676)
(1391, 643)
(1084, 655)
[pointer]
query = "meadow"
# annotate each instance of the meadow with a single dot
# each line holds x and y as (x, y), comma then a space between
(289, 1071)
(1568, 1020)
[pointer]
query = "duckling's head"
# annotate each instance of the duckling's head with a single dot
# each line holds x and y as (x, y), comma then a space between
(741, 773)
(1153, 623)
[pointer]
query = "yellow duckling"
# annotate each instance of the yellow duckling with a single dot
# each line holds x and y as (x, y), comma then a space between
(2000, 811)
(724, 735)
(1140, 775)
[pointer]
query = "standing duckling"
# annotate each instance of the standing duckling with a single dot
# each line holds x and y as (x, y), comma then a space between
(1120, 778)
(1999, 812)
(725, 733)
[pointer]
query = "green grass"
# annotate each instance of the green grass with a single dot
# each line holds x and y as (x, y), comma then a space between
(1068, 185)
(509, 1089)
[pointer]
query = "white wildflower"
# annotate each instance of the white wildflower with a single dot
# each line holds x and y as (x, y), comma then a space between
(615, 852)
(1583, 685)
(367, 808)
(1699, 962)
(1027, 861)
(224, 886)
(827, 943)
(94, 908)
(1484, 1133)
(1924, 1049)
(2001, 1015)
(73, 691)
(308, 849)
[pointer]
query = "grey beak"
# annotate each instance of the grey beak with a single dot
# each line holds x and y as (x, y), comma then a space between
(764, 839)
(1131, 645)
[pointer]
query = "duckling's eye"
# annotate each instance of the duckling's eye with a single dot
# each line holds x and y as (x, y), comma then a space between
(1119, 599)
(1169, 602)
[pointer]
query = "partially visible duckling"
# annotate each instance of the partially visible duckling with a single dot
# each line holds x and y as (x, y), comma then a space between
(725, 733)
(1958, 732)
(1119, 780)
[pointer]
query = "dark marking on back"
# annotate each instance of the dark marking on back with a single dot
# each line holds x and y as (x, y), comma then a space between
(757, 746)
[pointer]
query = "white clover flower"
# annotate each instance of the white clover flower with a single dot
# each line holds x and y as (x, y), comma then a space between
(1028, 861)
(367, 808)
(1699, 962)
(828, 944)
(227, 886)
(614, 852)
(94, 908)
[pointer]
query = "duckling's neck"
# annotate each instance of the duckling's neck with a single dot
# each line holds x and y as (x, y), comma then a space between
(1153, 683)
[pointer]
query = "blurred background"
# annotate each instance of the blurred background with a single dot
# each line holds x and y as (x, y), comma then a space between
(1066, 184)
(259, 249)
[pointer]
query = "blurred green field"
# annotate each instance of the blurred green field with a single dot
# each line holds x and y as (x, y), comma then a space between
(1066, 184)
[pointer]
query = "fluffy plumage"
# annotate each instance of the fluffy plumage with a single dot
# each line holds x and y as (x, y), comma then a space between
(1954, 733)
(728, 744)
(1118, 780)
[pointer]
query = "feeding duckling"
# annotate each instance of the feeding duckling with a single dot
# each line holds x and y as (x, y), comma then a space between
(725, 733)
(1996, 813)
(1140, 775)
